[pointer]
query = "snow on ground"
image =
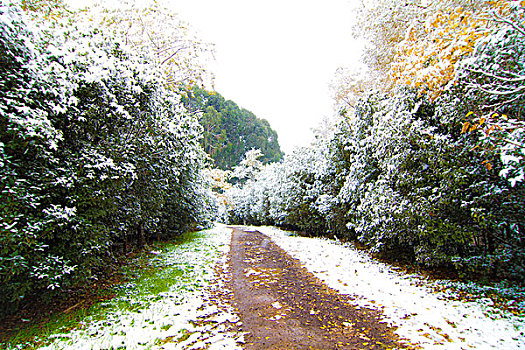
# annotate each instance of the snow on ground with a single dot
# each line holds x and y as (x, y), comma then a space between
(166, 320)
(409, 302)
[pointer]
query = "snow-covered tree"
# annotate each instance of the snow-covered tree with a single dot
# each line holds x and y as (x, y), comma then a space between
(285, 193)
(473, 48)
(151, 29)
(97, 153)
(418, 43)
(493, 79)
(414, 187)
(249, 166)
(28, 142)
(383, 25)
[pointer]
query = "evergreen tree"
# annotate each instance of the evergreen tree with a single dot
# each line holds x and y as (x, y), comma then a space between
(231, 131)
(97, 155)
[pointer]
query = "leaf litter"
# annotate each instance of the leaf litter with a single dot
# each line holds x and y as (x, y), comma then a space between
(431, 313)
(283, 306)
(195, 311)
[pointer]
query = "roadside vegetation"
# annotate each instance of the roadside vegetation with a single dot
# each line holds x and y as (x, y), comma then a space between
(425, 163)
(160, 301)
(110, 140)
(98, 153)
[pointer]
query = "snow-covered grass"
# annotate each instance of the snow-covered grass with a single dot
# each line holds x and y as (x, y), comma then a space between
(434, 319)
(161, 310)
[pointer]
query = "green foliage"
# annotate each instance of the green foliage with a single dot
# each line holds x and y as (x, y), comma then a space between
(176, 269)
(399, 177)
(97, 155)
(418, 190)
(493, 82)
(399, 174)
(45, 7)
(27, 143)
(230, 131)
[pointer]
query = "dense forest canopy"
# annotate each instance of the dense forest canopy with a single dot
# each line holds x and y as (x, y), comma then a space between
(231, 131)
(98, 153)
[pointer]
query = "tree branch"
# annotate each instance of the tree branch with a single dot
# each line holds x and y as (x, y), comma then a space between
(499, 93)
(520, 145)
(509, 80)
(500, 19)
(171, 56)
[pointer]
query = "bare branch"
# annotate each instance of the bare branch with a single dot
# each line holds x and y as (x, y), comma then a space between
(499, 93)
(171, 56)
(501, 104)
(509, 80)
(511, 142)
(499, 19)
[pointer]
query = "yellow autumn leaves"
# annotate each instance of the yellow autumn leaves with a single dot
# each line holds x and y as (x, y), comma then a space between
(427, 57)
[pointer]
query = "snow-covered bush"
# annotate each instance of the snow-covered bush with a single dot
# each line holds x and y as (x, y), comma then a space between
(28, 143)
(401, 178)
(288, 193)
(97, 154)
(417, 189)
(394, 175)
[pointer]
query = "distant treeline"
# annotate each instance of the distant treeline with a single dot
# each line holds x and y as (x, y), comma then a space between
(230, 131)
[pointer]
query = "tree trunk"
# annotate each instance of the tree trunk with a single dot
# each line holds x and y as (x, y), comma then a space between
(140, 238)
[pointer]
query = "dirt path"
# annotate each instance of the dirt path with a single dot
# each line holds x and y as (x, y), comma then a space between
(283, 306)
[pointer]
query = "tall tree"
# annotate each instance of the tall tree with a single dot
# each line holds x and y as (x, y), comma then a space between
(403, 34)
(156, 31)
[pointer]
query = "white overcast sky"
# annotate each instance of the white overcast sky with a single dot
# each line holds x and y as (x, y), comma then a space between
(275, 58)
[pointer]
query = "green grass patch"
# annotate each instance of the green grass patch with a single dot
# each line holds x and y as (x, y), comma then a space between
(147, 277)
